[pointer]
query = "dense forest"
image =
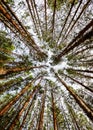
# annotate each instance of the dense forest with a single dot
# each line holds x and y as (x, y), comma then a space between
(46, 64)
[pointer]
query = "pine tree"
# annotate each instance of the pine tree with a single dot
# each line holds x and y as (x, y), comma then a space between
(46, 65)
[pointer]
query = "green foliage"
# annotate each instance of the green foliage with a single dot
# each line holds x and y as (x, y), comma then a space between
(58, 4)
(60, 117)
(26, 14)
(4, 99)
(69, 57)
(61, 46)
(11, 81)
(69, 71)
(41, 91)
(51, 83)
(6, 44)
(55, 60)
(60, 71)
(10, 2)
(83, 121)
(71, 1)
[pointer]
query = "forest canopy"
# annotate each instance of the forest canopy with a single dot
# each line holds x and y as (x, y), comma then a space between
(46, 65)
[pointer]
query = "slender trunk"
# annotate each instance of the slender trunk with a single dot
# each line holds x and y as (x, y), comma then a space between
(45, 15)
(40, 125)
(85, 76)
(81, 103)
(20, 28)
(23, 122)
(32, 16)
(72, 20)
(78, 70)
(83, 9)
(80, 74)
(37, 15)
(4, 72)
(74, 44)
(54, 112)
(8, 106)
(66, 20)
(11, 83)
(25, 106)
(91, 90)
(72, 113)
(54, 13)
(81, 51)
(66, 122)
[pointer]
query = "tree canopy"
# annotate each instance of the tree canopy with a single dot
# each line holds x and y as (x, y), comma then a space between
(46, 65)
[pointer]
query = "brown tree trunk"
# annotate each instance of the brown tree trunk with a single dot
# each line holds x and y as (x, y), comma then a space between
(32, 16)
(32, 96)
(91, 90)
(37, 15)
(78, 40)
(19, 27)
(4, 72)
(72, 113)
(45, 15)
(83, 9)
(78, 70)
(54, 13)
(40, 125)
(66, 20)
(8, 106)
(72, 20)
(54, 112)
(81, 103)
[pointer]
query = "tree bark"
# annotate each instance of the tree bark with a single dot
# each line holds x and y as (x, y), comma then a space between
(40, 125)
(54, 112)
(4, 72)
(66, 20)
(91, 90)
(81, 103)
(83, 9)
(20, 28)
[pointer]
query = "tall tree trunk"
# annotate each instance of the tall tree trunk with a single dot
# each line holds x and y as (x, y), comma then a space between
(34, 3)
(72, 113)
(19, 27)
(83, 9)
(91, 90)
(25, 89)
(66, 20)
(40, 125)
(81, 103)
(45, 4)
(32, 96)
(4, 72)
(54, 112)
(79, 70)
(32, 16)
(72, 19)
(54, 13)
(78, 40)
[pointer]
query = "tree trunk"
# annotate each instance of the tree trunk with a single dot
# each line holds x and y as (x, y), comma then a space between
(19, 27)
(81, 103)
(83, 9)
(54, 112)
(4, 72)
(91, 90)
(40, 125)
